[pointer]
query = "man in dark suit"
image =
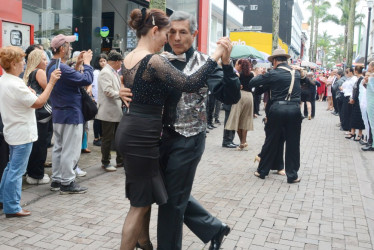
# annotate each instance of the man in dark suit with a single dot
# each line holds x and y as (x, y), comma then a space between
(228, 135)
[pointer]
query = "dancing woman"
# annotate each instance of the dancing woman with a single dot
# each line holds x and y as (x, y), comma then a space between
(149, 76)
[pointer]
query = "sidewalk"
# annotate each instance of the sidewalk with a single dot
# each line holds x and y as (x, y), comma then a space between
(332, 207)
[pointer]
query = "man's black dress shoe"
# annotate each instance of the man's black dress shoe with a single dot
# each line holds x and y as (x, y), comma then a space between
(231, 145)
(367, 148)
(216, 242)
(211, 126)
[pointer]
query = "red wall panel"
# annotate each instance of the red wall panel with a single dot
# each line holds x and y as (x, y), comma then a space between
(11, 10)
(202, 42)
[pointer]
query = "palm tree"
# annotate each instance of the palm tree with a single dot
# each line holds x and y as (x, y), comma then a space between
(311, 7)
(320, 15)
(344, 6)
(276, 10)
(351, 25)
(324, 44)
(157, 4)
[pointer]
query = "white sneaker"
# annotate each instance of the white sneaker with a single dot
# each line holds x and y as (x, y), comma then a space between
(33, 181)
(80, 172)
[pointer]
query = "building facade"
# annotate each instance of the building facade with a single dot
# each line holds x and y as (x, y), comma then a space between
(296, 34)
(86, 18)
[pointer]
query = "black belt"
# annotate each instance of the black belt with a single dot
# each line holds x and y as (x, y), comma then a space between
(286, 102)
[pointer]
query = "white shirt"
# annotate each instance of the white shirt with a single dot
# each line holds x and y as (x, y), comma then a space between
(18, 117)
(348, 85)
(94, 83)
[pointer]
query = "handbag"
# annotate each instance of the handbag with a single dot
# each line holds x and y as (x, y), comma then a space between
(44, 113)
(89, 108)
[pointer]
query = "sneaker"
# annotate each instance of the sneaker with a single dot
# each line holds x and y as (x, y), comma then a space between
(33, 181)
(109, 168)
(72, 188)
(80, 172)
(55, 186)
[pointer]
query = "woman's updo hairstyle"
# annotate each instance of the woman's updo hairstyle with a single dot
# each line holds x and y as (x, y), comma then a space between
(143, 20)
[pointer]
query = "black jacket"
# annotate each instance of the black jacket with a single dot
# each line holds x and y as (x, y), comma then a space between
(278, 82)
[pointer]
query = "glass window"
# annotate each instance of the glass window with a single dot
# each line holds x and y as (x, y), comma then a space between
(189, 6)
(49, 17)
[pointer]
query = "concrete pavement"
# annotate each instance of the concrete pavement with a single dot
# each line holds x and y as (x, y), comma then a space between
(332, 207)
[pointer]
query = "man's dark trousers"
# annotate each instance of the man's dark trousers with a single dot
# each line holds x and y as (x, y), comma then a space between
(109, 130)
(284, 120)
(179, 157)
(228, 135)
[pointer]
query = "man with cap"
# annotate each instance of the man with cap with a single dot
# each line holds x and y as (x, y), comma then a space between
(67, 116)
(284, 118)
(110, 107)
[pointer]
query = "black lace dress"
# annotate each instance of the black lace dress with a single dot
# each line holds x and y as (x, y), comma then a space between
(139, 131)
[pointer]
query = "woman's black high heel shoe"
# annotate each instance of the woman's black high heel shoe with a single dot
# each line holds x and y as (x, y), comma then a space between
(351, 136)
(147, 246)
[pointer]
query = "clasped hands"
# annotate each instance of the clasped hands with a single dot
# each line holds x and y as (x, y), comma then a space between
(223, 51)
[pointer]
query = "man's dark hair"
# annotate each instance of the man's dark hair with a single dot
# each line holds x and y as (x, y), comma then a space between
(30, 49)
(114, 56)
(57, 51)
(341, 72)
(280, 59)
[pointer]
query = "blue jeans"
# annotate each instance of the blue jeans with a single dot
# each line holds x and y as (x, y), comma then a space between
(11, 183)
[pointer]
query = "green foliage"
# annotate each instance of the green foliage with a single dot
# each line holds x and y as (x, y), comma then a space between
(157, 4)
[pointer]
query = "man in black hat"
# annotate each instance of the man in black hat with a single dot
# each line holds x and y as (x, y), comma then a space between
(284, 117)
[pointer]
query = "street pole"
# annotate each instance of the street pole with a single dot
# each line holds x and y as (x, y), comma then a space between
(367, 38)
(224, 17)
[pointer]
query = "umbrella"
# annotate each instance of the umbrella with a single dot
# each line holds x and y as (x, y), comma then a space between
(244, 51)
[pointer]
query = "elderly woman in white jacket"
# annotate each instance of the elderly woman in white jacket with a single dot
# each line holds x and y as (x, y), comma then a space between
(17, 108)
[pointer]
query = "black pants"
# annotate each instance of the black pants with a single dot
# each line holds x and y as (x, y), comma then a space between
(228, 135)
(217, 108)
(50, 133)
(278, 161)
(4, 154)
(339, 102)
(334, 101)
(35, 167)
(210, 108)
(346, 114)
(179, 157)
(97, 129)
(313, 105)
(109, 130)
(283, 120)
(256, 104)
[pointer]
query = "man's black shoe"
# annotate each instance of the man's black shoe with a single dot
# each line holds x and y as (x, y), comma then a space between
(216, 242)
(367, 148)
(211, 126)
(362, 142)
(217, 121)
(72, 188)
(231, 145)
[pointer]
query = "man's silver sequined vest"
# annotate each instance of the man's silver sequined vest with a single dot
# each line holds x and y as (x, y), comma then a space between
(191, 108)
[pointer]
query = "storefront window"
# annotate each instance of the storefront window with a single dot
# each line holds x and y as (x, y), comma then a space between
(49, 17)
(189, 6)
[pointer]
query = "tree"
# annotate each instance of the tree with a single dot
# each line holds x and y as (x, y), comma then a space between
(311, 7)
(276, 10)
(351, 25)
(324, 45)
(320, 15)
(157, 4)
(344, 6)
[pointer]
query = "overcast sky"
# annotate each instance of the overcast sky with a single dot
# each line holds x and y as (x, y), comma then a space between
(333, 29)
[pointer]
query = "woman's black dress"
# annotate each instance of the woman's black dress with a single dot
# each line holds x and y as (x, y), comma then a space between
(138, 134)
(356, 117)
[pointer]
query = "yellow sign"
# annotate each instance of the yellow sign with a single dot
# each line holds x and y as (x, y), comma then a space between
(259, 40)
